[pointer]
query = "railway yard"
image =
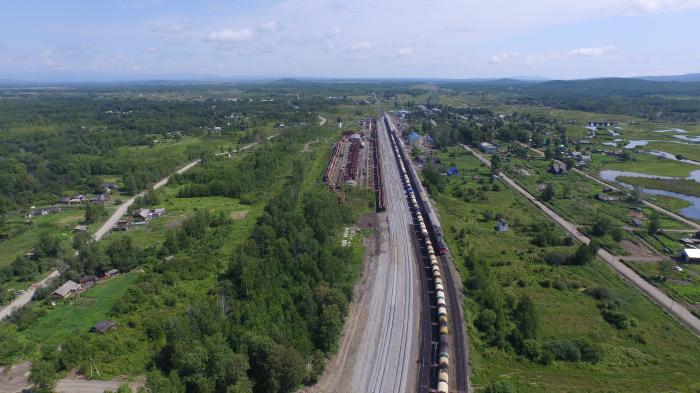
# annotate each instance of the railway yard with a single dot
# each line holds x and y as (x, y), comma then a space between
(405, 330)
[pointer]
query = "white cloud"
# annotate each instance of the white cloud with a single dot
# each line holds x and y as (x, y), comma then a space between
(47, 59)
(361, 46)
(503, 57)
(169, 28)
(405, 52)
(593, 51)
(271, 26)
(230, 36)
(638, 7)
(151, 50)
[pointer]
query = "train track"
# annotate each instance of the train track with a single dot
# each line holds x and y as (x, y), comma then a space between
(434, 324)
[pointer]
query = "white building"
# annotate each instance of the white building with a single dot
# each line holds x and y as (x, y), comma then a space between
(691, 255)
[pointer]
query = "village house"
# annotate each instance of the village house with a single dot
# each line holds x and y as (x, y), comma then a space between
(488, 148)
(68, 289)
(557, 168)
(141, 217)
(158, 212)
(691, 255)
(80, 228)
(109, 187)
(122, 225)
(109, 274)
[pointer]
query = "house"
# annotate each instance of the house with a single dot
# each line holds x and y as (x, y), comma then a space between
(110, 273)
(502, 225)
(636, 222)
(452, 171)
(103, 326)
(122, 225)
(88, 279)
(606, 197)
(109, 187)
(64, 200)
(69, 288)
(141, 217)
(158, 212)
(557, 168)
(488, 148)
(80, 228)
(691, 255)
(77, 199)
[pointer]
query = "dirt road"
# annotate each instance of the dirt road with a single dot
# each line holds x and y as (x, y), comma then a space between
(379, 346)
(322, 121)
(679, 311)
(82, 385)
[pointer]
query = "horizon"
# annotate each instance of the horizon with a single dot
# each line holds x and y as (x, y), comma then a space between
(335, 39)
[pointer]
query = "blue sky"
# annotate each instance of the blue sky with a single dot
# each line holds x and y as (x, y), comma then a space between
(136, 39)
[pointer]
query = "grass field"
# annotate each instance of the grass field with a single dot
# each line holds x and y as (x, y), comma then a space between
(629, 363)
(80, 314)
(643, 163)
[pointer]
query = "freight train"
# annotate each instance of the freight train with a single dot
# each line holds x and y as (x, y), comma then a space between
(418, 205)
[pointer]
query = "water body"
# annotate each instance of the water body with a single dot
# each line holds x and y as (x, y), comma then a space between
(614, 144)
(636, 143)
(678, 130)
(692, 211)
(694, 139)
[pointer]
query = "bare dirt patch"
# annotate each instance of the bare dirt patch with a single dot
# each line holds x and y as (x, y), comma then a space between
(238, 215)
(307, 147)
(14, 379)
(636, 250)
(79, 384)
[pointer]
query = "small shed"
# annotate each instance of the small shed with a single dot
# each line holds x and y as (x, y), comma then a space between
(110, 273)
(80, 228)
(452, 171)
(103, 326)
(691, 255)
(488, 148)
(414, 137)
(502, 225)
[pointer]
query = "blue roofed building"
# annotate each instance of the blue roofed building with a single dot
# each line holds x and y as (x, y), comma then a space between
(452, 171)
(414, 137)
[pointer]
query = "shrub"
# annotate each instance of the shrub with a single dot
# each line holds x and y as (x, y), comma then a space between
(563, 350)
(560, 285)
(546, 283)
(557, 258)
(616, 318)
(600, 293)
(531, 349)
(498, 387)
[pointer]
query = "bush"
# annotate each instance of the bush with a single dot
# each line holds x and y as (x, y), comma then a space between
(498, 387)
(546, 283)
(600, 293)
(531, 349)
(563, 350)
(560, 285)
(557, 258)
(616, 318)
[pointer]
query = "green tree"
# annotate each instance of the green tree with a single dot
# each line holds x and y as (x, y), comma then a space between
(43, 376)
(93, 212)
(548, 193)
(525, 318)
(654, 225)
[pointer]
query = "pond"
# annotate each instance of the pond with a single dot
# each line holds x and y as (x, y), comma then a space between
(692, 211)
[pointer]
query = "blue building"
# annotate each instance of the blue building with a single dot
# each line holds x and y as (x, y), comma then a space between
(452, 171)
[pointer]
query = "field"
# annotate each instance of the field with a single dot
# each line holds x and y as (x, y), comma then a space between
(636, 359)
(80, 314)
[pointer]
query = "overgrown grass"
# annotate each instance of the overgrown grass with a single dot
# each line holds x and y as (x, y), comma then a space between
(637, 359)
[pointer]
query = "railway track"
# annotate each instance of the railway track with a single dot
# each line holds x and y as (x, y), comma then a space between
(448, 371)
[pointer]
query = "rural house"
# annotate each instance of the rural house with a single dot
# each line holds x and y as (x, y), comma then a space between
(68, 289)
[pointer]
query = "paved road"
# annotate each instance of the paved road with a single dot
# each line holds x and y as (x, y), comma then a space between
(21, 300)
(679, 311)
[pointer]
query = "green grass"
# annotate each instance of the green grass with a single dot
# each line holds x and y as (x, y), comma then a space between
(686, 187)
(80, 314)
(689, 151)
(646, 163)
(627, 365)
(26, 232)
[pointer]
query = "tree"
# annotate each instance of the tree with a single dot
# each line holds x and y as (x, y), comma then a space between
(548, 153)
(654, 225)
(48, 246)
(525, 318)
(585, 253)
(93, 212)
(548, 193)
(601, 227)
(43, 376)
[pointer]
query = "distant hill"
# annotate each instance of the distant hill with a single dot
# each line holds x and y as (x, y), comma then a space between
(674, 78)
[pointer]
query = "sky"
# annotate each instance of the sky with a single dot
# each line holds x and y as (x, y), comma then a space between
(457, 39)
